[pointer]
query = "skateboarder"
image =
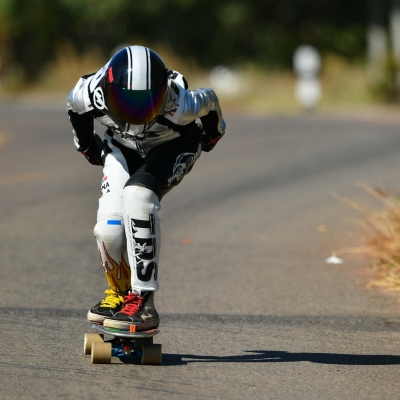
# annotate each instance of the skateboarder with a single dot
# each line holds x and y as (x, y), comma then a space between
(152, 140)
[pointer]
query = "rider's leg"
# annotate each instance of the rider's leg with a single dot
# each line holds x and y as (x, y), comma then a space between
(162, 170)
(110, 236)
(142, 230)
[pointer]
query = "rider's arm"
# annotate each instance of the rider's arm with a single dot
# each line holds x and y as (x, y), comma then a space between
(82, 122)
(184, 106)
(203, 103)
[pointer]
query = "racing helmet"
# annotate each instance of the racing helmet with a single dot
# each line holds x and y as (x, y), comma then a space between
(136, 85)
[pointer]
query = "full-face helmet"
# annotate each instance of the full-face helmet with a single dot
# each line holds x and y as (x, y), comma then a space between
(136, 85)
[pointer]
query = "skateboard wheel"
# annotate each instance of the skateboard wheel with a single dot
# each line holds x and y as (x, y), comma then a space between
(101, 353)
(151, 354)
(89, 339)
(140, 342)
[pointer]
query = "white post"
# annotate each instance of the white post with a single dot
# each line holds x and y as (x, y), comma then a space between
(307, 64)
(394, 21)
(377, 40)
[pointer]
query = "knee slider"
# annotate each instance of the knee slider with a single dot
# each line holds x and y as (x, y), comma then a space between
(110, 230)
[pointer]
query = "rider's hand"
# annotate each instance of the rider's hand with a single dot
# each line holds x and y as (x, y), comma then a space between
(210, 142)
(93, 155)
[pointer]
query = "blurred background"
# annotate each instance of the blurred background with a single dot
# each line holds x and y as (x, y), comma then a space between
(244, 49)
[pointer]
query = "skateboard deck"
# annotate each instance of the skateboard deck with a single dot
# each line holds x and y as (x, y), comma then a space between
(129, 346)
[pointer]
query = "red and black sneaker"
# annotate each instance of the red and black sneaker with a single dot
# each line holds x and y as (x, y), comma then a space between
(136, 310)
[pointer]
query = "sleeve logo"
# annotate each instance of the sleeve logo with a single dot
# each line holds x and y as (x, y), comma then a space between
(98, 99)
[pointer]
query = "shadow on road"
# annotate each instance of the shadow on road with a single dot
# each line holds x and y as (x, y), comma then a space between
(284, 356)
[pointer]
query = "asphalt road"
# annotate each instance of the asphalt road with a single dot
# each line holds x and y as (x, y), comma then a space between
(249, 307)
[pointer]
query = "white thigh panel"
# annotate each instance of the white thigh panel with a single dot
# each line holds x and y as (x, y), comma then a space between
(115, 174)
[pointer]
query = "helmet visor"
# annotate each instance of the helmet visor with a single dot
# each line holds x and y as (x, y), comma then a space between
(136, 107)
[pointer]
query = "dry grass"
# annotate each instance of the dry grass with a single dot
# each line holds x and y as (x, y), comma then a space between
(68, 67)
(383, 245)
(344, 83)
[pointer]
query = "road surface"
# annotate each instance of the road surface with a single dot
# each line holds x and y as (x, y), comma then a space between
(249, 307)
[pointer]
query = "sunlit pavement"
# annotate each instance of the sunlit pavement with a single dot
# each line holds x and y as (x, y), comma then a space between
(249, 307)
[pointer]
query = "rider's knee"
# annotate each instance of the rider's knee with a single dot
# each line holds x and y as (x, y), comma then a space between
(110, 229)
(140, 198)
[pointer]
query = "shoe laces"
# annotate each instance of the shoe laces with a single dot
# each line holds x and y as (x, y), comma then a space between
(132, 304)
(113, 299)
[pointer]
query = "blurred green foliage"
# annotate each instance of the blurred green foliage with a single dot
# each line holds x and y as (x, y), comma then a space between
(232, 32)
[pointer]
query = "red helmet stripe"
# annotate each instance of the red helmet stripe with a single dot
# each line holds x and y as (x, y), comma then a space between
(110, 75)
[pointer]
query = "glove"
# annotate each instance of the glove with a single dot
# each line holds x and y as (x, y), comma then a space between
(93, 152)
(93, 155)
(210, 142)
(211, 132)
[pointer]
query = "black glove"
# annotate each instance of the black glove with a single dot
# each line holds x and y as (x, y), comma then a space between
(93, 152)
(211, 133)
(93, 155)
(210, 142)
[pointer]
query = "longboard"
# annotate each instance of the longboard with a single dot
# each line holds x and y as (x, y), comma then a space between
(127, 345)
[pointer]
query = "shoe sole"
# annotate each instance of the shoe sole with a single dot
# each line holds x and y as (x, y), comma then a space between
(95, 317)
(124, 325)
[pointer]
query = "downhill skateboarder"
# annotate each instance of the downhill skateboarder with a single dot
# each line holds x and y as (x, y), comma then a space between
(151, 142)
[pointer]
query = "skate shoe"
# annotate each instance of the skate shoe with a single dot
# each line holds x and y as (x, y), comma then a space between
(136, 310)
(106, 308)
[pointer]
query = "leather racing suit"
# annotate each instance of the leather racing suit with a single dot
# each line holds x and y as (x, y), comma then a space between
(141, 164)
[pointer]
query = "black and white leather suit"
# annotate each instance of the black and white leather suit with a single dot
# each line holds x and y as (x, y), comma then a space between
(141, 163)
